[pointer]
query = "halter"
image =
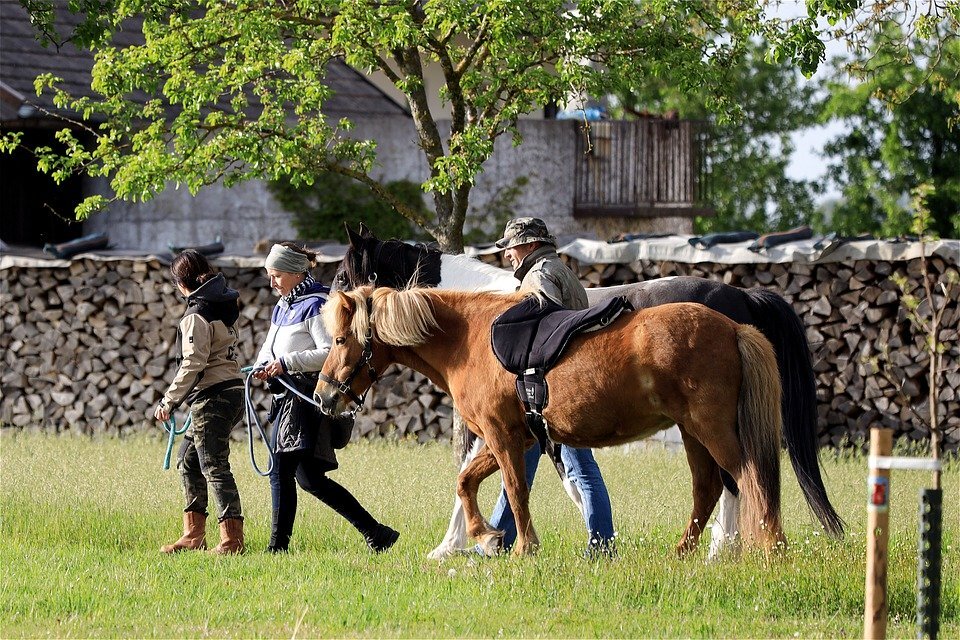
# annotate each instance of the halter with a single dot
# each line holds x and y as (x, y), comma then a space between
(365, 357)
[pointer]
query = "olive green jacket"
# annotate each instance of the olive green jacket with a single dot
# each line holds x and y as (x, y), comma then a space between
(542, 272)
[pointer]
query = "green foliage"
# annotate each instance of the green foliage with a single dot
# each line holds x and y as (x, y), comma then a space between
(902, 118)
(321, 206)
(10, 140)
(749, 155)
(93, 513)
(494, 214)
(924, 307)
(237, 90)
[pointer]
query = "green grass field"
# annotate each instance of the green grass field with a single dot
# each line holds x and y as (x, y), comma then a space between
(81, 522)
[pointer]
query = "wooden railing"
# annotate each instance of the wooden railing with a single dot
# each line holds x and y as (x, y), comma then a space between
(646, 167)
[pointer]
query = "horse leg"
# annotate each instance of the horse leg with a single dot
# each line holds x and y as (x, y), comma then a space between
(476, 471)
(706, 491)
(725, 532)
(509, 449)
(456, 536)
(573, 491)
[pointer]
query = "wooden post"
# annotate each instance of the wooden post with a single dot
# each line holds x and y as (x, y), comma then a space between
(878, 517)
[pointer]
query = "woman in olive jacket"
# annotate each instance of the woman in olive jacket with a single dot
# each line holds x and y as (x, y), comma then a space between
(208, 379)
(295, 348)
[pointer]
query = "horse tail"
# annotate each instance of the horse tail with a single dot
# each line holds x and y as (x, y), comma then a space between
(759, 424)
(779, 323)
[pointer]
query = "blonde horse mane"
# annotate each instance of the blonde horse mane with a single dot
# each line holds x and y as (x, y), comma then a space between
(401, 318)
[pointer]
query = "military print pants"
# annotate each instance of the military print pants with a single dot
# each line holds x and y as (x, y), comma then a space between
(205, 454)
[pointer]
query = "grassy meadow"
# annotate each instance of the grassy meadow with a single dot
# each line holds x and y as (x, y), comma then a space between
(81, 522)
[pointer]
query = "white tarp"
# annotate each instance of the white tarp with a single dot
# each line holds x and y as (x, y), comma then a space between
(679, 249)
(673, 248)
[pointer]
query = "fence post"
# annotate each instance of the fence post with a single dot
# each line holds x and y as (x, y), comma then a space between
(878, 518)
(928, 563)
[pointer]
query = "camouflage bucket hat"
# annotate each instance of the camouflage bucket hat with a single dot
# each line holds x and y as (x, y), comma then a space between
(524, 230)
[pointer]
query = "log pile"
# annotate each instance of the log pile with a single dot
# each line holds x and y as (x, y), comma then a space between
(90, 347)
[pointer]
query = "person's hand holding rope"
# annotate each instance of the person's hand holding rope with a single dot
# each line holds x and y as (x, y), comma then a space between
(162, 413)
(268, 370)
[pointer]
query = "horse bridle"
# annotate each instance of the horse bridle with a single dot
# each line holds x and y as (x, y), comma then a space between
(365, 358)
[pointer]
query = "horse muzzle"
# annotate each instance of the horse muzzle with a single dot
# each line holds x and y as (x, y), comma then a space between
(333, 395)
(328, 397)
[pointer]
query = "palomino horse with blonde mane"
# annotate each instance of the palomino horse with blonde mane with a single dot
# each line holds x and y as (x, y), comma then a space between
(678, 364)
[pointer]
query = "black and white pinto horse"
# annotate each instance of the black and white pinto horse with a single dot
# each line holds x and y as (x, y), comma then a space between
(396, 264)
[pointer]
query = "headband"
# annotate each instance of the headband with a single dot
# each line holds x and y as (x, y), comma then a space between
(286, 259)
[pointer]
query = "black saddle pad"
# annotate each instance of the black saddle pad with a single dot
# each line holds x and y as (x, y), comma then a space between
(530, 336)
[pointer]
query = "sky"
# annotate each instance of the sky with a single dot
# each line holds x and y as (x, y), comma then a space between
(806, 162)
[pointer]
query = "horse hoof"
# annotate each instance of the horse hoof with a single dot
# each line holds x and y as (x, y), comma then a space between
(526, 550)
(441, 552)
(490, 545)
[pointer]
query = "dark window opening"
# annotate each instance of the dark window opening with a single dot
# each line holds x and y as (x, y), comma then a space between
(35, 210)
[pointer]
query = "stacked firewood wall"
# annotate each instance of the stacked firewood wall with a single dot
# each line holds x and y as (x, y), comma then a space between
(90, 348)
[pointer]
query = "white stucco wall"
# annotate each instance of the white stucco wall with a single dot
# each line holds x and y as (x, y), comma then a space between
(247, 213)
(239, 216)
(545, 158)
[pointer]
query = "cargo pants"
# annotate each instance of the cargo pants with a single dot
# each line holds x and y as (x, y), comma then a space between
(204, 458)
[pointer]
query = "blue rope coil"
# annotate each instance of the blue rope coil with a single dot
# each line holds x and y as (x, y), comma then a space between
(170, 426)
(251, 418)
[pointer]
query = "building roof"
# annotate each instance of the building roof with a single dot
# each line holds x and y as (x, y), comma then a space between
(23, 57)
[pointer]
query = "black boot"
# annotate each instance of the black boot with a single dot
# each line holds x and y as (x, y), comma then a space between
(601, 549)
(283, 490)
(382, 538)
(281, 530)
(378, 537)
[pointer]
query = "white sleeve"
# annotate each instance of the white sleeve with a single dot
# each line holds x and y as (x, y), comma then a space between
(310, 359)
(266, 350)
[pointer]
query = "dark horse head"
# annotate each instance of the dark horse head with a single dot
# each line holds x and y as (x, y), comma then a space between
(386, 263)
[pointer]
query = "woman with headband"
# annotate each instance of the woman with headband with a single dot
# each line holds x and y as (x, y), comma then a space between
(296, 347)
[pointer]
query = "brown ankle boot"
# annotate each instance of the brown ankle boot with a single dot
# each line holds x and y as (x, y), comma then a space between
(194, 534)
(231, 537)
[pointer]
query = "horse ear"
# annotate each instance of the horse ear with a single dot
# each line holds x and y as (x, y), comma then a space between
(364, 231)
(345, 305)
(355, 239)
(348, 304)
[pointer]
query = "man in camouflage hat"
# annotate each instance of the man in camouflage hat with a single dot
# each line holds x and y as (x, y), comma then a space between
(532, 252)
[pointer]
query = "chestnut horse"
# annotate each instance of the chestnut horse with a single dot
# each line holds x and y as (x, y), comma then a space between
(678, 364)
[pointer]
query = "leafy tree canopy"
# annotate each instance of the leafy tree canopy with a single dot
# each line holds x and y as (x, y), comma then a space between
(749, 186)
(234, 90)
(900, 98)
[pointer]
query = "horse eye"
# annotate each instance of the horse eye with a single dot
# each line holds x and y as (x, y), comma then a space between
(341, 340)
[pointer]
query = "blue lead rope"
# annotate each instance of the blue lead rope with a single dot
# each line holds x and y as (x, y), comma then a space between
(251, 418)
(171, 428)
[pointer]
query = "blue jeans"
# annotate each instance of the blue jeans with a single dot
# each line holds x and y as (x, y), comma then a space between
(583, 471)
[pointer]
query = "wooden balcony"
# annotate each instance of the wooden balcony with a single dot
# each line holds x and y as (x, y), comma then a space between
(642, 168)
